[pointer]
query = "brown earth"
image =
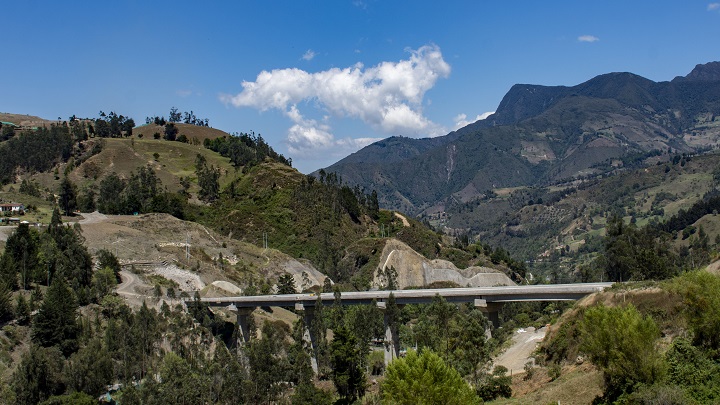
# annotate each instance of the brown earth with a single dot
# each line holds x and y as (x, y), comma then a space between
(577, 384)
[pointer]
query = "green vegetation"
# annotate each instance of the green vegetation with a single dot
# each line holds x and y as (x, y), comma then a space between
(651, 344)
(425, 379)
(39, 150)
(621, 342)
(245, 150)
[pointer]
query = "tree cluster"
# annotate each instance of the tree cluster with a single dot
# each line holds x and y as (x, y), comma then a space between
(208, 179)
(245, 150)
(636, 254)
(624, 343)
(35, 151)
(141, 193)
(176, 116)
(112, 125)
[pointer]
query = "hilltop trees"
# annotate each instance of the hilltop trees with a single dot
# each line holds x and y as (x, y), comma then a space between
(35, 151)
(177, 116)
(113, 125)
(244, 150)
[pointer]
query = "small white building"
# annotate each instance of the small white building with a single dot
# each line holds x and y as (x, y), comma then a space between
(12, 207)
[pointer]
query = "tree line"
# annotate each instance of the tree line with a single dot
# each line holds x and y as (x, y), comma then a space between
(176, 116)
(245, 150)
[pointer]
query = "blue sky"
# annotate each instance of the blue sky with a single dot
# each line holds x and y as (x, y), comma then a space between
(321, 79)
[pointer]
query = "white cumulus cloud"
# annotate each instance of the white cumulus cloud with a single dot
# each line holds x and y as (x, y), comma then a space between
(461, 119)
(588, 38)
(309, 54)
(388, 97)
(713, 6)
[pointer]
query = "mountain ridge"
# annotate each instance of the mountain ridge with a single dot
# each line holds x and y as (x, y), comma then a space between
(542, 135)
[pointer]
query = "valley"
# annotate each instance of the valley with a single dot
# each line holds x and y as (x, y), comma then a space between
(121, 245)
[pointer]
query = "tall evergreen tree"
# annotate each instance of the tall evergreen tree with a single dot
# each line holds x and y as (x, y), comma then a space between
(286, 284)
(348, 364)
(23, 246)
(68, 196)
(56, 323)
(6, 311)
(38, 376)
(8, 271)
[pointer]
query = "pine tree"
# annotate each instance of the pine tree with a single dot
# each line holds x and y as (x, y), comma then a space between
(8, 272)
(348, 365)
(425, 379)
(22, 312)
(68, 196)
(38, 376)
(286, 284)
(56, 322)
(6, 311)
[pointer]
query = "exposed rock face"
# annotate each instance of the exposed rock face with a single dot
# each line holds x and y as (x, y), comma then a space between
(313, 277)
(414, 270)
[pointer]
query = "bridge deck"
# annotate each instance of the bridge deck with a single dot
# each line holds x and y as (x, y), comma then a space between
(545, 292)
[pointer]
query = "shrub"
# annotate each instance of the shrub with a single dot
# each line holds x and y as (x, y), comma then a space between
(425, 379)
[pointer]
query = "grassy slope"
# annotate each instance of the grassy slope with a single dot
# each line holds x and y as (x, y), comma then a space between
(176, 160)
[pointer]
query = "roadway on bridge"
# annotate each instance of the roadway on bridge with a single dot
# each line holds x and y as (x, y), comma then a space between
(544, 292)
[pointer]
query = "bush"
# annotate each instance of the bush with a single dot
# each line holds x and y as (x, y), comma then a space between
(701, 295)
(496, 385)
(425, 379)
(554, 372)
(621, 342)
(529, 371)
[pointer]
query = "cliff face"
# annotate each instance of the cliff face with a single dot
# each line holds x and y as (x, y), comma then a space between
(414, 270)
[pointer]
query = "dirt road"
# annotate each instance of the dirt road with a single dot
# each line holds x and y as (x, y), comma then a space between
(524, 343)
(129, 282)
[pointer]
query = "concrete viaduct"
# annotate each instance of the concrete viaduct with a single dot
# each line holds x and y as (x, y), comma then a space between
(487, 299)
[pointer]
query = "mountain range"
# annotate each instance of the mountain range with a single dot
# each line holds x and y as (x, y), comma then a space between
(542, 136)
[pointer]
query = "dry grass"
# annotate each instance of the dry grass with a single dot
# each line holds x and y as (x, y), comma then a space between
(190, 131)
(576, 385)
(175, 160)
(25, 120)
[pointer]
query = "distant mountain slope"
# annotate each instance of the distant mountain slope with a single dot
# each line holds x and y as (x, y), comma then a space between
(542, 135)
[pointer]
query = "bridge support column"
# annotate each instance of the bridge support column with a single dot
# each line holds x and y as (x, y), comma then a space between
(491, 310)
(243, 319)
(392, 339)
(308, 315)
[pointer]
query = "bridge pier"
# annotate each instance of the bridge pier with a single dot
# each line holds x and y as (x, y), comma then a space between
(308, 315)
(243, 320)
(491, 310)
(392, 339)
